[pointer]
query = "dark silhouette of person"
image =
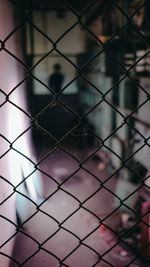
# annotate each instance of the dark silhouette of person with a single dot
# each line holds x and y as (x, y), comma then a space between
(56, 78)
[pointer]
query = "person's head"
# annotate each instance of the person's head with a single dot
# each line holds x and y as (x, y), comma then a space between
(57, 67)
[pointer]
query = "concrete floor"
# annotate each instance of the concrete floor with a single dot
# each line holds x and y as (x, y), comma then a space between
(83, 224)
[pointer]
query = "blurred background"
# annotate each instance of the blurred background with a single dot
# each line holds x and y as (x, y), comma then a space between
(75, 90)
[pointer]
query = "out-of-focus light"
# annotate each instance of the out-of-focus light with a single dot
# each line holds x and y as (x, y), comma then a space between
(102, 227)
(103, 38)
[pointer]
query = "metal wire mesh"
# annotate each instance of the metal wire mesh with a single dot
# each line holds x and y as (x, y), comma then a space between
(25, 12)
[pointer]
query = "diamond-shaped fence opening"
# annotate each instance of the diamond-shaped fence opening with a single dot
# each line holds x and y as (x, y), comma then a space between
(3, 98)
(5, 146)
(75, 133)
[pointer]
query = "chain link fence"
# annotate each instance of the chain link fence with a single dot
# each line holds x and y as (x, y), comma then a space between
(125, 64)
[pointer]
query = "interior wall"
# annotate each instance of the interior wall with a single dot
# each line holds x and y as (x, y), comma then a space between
(12, 123)
(69, 45)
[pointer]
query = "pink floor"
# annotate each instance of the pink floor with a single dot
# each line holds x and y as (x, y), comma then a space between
(62, 244)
